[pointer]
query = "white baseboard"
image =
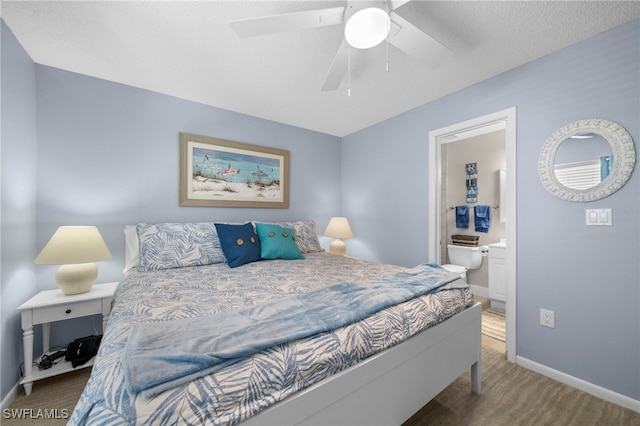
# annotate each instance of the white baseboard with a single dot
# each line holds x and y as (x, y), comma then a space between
(590, 388)
(498, 304)
(479, 291)
(11, 396)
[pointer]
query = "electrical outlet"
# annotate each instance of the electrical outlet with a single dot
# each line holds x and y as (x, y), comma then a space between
(546, 318)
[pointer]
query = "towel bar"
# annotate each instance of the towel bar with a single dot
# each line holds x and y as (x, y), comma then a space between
(495, 206)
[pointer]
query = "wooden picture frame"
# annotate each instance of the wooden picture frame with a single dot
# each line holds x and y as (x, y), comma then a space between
(220, 173)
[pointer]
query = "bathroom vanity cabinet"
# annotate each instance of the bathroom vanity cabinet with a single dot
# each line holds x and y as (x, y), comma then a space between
(498, 274)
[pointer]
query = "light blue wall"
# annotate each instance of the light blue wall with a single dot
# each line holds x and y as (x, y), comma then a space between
(18, 197)
(588, 275)
(107, 155)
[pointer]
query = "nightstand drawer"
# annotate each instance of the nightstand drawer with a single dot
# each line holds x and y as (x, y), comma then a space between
(66, 311)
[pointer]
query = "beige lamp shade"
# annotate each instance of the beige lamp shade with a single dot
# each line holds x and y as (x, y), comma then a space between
(76, 248)
(338, 227)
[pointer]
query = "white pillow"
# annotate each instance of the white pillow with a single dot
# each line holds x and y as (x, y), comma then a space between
(131, 248)
(306, 235)
(177, 245)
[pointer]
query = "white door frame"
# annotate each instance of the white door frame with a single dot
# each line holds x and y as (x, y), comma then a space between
(436, 138)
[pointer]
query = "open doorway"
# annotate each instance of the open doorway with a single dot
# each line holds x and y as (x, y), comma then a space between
(506, 120)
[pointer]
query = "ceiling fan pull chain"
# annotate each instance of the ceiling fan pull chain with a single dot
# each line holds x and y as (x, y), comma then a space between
(387, 39)
(349, 71)
(387, 55)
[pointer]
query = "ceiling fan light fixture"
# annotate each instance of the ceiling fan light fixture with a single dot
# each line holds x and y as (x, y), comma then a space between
(367, 28)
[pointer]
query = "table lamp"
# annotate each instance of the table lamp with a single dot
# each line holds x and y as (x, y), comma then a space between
(75, 248)
(338, 227)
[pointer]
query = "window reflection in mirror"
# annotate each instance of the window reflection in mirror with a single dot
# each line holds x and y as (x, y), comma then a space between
(582, 161)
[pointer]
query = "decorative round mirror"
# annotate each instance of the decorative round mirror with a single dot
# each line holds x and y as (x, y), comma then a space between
(586, 160)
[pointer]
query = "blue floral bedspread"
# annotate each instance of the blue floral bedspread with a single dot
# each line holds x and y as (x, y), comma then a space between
(238, 391)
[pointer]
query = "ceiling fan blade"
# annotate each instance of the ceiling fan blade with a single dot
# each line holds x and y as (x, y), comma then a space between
(416, 43)
(288, 22)
(394, 4)
(338, 68)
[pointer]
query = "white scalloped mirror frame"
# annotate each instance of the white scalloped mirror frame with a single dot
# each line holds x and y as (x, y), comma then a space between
(624, 159)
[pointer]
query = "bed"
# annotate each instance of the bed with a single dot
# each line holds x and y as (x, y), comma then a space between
(377, 370)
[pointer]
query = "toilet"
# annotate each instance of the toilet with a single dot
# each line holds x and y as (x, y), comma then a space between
(463, 258)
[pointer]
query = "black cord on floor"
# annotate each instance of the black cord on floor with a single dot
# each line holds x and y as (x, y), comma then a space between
(51, 358)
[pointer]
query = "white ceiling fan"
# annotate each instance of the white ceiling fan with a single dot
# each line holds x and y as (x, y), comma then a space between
(367, 24)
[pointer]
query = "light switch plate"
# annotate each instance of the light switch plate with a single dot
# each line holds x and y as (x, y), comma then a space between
(598, 217)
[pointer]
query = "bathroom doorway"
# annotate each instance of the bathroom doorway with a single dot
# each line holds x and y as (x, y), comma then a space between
(500, 121)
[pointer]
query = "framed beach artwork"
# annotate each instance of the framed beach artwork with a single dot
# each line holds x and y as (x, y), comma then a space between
(221, 173)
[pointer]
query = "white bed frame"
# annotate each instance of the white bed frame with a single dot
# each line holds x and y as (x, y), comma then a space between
(389, 387)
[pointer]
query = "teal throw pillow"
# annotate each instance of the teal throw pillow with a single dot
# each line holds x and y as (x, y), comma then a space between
(277, 242)
(240, 244)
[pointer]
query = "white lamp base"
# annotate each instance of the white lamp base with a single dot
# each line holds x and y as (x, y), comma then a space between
(338, 247)
(76, 279)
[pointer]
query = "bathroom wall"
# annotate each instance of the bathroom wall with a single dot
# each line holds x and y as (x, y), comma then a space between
(487, 151)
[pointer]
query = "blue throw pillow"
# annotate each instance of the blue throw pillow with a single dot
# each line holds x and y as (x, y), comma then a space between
(240, 244)
(277, 242)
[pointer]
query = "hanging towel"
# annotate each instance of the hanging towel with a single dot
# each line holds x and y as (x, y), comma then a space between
(462, 217)
(482, 217)
(606, 162)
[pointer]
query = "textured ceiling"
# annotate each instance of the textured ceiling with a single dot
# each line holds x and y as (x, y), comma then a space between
(188, 50)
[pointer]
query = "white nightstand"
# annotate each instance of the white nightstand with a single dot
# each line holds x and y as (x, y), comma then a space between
(53, 305)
